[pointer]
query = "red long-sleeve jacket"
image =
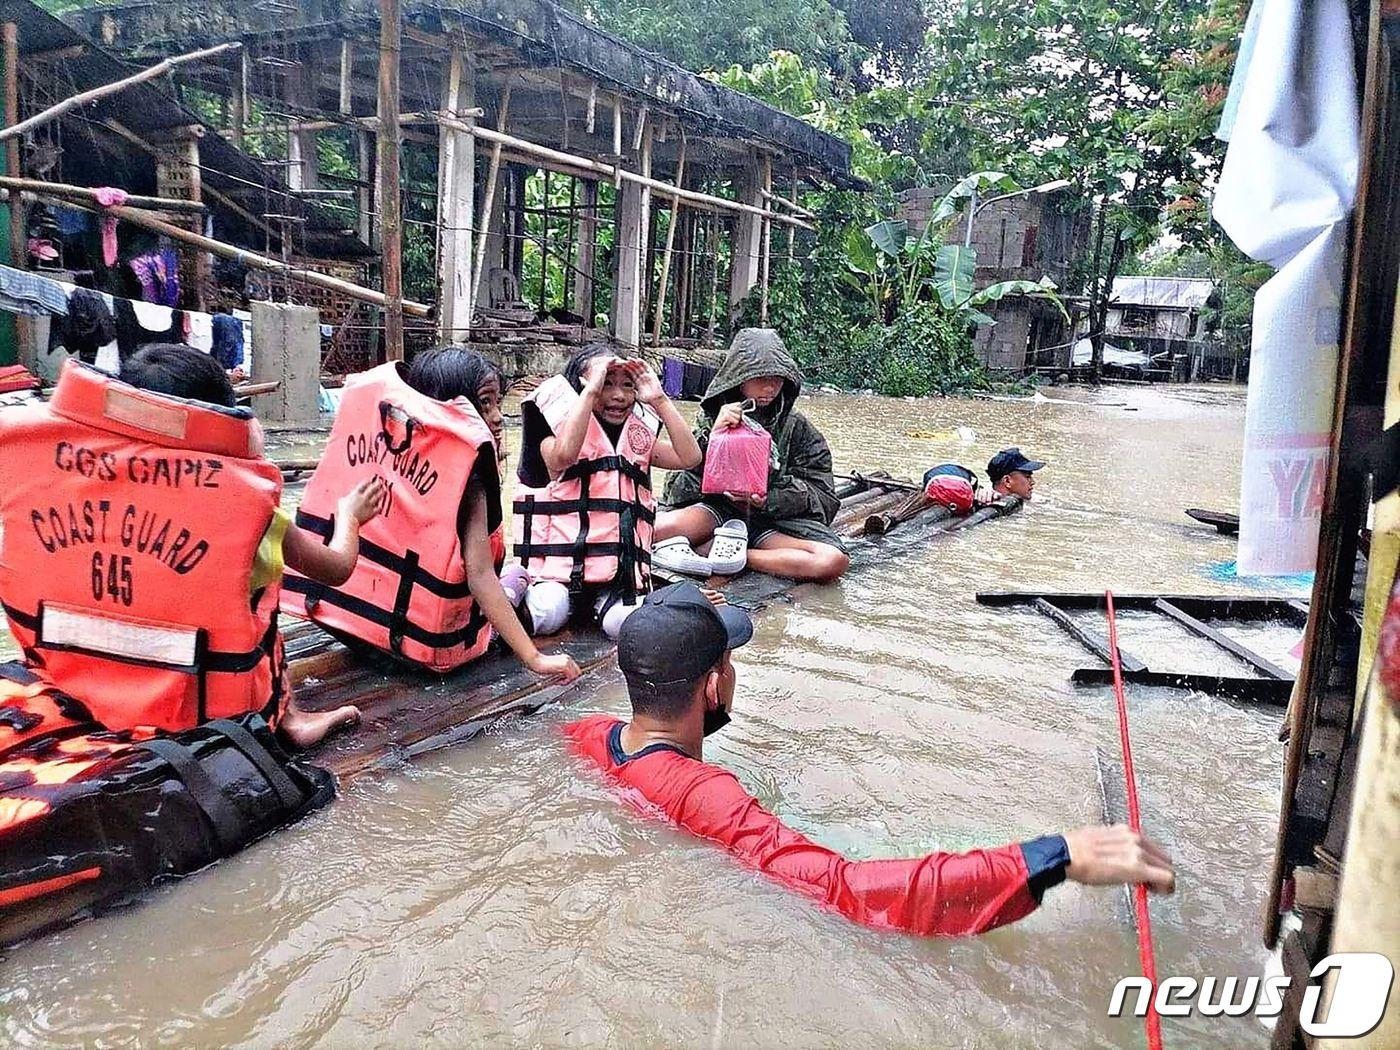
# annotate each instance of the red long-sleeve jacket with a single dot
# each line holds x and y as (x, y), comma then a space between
(939, 894)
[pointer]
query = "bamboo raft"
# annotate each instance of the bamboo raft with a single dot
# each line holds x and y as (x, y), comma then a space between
(406, 712)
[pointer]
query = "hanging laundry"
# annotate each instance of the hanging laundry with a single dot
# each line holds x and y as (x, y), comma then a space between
(160, 283)
(228, 341)
(170, 291)
(141, 323)
(30, 294)
(672, 376)
(201, 331)
(88, 327)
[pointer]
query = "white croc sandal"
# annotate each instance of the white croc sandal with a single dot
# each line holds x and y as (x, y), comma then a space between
(729, 552)
(677, 555)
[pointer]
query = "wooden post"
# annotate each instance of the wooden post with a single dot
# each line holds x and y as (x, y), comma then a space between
(712, 254)
(792, 230)
(630, 235)
(366, 194)
(666, 255)
(456, 198)
(515, 203)
(544, 245)
(488, 202)
(746, 245)
(587, 252)
(685, 277)
(390, 205)
(239, 108)
(766, 168)
(19, 255)
(617, 127)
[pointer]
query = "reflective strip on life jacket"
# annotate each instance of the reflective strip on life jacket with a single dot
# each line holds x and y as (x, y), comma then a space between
(592, 524)
(408, 594)
(131, 524)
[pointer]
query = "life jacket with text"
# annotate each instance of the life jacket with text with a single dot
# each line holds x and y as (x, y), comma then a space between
(952, 486)
(90, 817)
(593, 523)
(132, 523)
(408, 594)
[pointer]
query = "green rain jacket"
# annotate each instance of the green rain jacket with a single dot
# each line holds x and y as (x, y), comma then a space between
(800, 484)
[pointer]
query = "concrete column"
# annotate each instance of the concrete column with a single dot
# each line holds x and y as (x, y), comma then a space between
(747, 246)
(301, 145)
(287, 349)
(633, 221)
(456, 202)
(586, 251)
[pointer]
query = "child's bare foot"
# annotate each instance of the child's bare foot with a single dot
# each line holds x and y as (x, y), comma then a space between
(303, 729)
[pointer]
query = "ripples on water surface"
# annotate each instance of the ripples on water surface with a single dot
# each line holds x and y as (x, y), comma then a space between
(490, 894)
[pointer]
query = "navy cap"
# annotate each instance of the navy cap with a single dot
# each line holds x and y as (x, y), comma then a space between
(677, 634)
(1009, 459)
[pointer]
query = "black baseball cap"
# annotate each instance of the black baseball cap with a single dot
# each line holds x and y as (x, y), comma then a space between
(676, 635)
(1009, 459)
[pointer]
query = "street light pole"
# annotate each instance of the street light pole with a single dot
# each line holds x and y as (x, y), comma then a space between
(974, 206)
(971, 214)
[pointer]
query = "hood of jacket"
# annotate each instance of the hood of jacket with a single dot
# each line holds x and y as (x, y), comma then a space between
(754, 353)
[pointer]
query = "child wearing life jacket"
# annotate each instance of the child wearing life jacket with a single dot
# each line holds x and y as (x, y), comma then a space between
(788, 531)
(144, 547)
(433, 430)
(584, 509)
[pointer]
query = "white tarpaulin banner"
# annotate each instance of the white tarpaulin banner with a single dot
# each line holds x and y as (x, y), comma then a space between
(1285, 195)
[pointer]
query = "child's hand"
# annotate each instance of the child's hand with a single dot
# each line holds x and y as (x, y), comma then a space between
(560, 665)
(714, 597)
(730, 416)
(646, 381)
(365, 501)
(595, 373)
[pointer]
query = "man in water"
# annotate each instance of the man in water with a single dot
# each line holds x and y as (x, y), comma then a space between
(1012, 474)
(674, 653)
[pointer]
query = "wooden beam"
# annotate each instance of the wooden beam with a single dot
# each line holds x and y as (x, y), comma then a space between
(239, 104)
(1224, 641)
(19, 256)
(347, 77)
(1091, 640)
(69, 104)
(790, 203)
(592, 105)
(390, 202)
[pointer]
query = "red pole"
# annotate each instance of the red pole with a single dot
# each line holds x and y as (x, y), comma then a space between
(1146, 952)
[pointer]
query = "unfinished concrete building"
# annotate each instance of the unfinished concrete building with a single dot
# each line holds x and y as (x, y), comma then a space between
(557, 184)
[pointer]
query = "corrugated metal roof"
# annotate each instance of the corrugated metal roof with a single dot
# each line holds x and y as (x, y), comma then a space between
(1176, 293)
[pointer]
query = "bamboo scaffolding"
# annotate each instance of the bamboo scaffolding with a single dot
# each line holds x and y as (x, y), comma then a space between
(137, 217)
(59, 189)
(618, 173)
(670, 244)
(790, 203)
(69, 104)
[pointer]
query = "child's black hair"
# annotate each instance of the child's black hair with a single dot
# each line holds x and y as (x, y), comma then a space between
(448, 372)
(179, 371)
(578, 364)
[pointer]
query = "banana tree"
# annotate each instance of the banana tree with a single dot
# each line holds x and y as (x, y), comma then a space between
(953, 274)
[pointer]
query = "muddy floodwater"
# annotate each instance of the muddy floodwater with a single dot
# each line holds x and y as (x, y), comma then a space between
(495, 894)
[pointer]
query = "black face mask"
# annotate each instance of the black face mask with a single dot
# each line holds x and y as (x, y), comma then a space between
(716, 720)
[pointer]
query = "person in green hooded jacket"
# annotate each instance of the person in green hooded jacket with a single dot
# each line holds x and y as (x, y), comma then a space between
(787, 534)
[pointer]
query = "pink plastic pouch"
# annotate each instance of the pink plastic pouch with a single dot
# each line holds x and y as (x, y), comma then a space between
(737, 461)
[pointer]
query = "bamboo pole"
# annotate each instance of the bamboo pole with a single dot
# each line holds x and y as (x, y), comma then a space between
(670, 244)
(69, 104)
(790, 203)
(488, 200)
(59, 189)
(240, 99)
(792, 233)
(618, 173)
(137, 217)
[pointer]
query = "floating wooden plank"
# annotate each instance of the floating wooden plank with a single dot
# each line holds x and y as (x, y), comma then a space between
(1203, 606)
(1257, 690)
(1091, 640)
(1224, 641)
(1225, 524)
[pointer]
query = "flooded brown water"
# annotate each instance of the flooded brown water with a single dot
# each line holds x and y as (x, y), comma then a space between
(495, 895)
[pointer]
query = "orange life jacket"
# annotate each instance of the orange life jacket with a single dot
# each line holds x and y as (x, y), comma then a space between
(131, 525)
(592, 524)
(408, 594)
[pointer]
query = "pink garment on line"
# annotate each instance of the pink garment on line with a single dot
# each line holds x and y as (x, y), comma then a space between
(109, 196)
